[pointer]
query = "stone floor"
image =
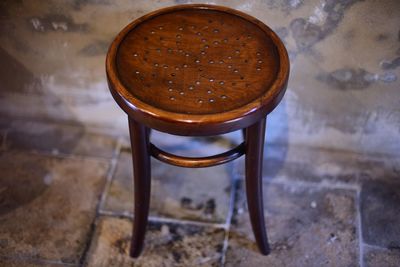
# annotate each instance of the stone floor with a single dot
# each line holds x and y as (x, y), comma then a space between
(332, 154)
(66, 200)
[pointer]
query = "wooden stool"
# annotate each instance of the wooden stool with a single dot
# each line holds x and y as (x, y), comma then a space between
(197, 70)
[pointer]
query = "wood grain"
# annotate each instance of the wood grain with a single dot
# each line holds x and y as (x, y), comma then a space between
(180, 68)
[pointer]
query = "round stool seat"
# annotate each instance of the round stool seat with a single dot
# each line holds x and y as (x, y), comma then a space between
(197, 69)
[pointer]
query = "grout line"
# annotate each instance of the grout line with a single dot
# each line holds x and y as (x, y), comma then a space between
(375, 247)
(129, 215)
(331, 149)
(359, 224)
(25, 259)
(102, 130)
(109, 176)
(232, 201)
(61, 155)
(122, 214)
(319, 185)
(185, 222)
(3, 144)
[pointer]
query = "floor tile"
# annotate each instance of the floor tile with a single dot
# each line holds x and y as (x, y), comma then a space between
(30, 263)
(165, 245)
(180, 193)
(380, 214)
(375, 257)
(57, 138)
(306, 226)
(47, 205)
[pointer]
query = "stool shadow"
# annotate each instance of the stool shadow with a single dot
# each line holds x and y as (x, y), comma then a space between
(28, 181)
(276, 142)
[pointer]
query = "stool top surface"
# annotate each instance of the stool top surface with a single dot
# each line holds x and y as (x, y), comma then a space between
(197, 61)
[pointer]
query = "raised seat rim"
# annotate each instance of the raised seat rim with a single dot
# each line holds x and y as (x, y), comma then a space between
(193, 124)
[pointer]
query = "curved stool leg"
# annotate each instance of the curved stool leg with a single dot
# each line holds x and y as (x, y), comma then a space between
(254, 156)
(140, 144)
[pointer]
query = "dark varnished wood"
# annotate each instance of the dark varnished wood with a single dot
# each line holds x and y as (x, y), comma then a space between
(191, 162)
(143, 58)
(195, 61)
(254, 156)
(197, 70)
(142, 175)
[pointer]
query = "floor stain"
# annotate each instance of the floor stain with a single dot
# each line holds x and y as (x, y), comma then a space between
(11, 67)
(78, 4)
(354, 79)
(286, 5)
(56, 22)
(347, 78)
(390, 64)
(97, 48)
(18, 190)
(325, 19)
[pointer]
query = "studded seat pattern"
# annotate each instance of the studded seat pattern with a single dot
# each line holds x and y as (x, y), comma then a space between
(197, 61)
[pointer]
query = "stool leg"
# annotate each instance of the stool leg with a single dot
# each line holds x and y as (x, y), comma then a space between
(140, 144)
(254, 139)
